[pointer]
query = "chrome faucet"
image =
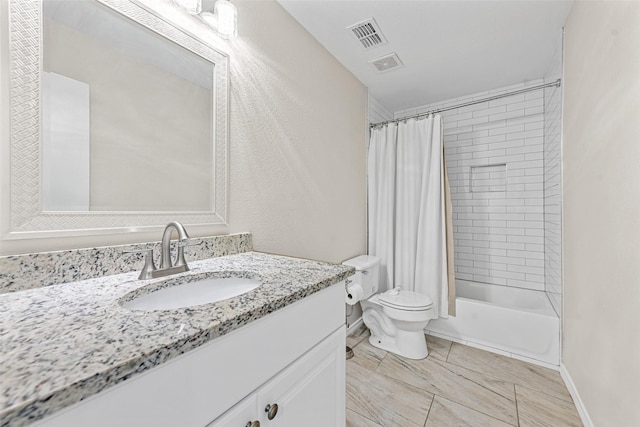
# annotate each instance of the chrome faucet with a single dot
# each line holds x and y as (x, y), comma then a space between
(167, 266)
(183, 240)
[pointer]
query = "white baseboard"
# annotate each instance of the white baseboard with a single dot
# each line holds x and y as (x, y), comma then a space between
(355, 325)
(582, 411)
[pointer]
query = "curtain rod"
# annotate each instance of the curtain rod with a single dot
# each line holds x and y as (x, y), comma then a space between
(466, 104)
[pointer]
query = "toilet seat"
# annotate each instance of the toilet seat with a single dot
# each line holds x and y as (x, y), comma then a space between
(405, 300)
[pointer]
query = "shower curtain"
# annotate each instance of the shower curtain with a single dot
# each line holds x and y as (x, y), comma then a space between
(406, 194)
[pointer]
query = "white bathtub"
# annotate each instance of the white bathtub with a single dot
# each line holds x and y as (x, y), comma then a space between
(520, 323)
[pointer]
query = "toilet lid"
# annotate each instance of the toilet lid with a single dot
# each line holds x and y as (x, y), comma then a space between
(408, 300)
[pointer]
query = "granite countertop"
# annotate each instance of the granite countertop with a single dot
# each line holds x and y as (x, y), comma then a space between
(63, 343)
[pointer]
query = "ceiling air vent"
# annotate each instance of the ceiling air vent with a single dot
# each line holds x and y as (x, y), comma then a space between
(387, 63)
(368, 33)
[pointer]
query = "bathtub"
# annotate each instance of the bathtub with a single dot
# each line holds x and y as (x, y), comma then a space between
(519, 323)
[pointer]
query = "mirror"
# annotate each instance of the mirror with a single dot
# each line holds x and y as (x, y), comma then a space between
(107, 84)
(117, 120)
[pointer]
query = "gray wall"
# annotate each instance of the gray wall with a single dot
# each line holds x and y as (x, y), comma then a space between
(298, 133)
(601, 204)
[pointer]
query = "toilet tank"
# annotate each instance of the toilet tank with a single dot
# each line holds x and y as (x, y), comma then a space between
(367, 268)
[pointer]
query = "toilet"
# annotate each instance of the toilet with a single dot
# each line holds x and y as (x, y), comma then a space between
(396, 317)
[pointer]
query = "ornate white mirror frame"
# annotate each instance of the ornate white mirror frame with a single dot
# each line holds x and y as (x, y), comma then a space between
(22, 216)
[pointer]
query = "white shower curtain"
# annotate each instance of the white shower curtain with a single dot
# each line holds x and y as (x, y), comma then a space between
(406, 208)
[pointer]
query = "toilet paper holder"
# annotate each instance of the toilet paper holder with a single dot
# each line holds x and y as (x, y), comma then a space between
(347, 282)
(353, 292)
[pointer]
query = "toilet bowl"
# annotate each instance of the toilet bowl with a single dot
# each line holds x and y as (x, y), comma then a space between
(396, 317)
(397, 320)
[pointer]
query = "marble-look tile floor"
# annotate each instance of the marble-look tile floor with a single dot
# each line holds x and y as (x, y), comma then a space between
(455, 385)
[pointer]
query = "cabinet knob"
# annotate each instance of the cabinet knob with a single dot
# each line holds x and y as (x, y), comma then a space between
(253, 424)
(271, 410)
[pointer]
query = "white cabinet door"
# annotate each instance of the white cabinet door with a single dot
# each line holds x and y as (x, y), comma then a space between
(311, 392)
(242, 414)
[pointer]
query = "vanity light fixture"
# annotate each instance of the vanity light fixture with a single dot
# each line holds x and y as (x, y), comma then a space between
(224, 19)
(192, 7)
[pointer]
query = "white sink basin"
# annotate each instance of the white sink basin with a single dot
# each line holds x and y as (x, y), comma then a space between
(200, 292)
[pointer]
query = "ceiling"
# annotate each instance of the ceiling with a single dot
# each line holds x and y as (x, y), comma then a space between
(448, 48)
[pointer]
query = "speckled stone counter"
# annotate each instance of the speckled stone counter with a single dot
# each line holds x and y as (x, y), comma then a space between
(63, 343)
(28, 271)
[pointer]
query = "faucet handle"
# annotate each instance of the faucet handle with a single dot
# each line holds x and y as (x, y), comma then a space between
(188, 242)
(149, 266)
(142, 248)
(181, 244)
(145, 251)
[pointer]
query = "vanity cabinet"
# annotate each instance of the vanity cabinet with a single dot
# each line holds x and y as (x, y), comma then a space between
(310, 393)
(244, 414)
(293, 357)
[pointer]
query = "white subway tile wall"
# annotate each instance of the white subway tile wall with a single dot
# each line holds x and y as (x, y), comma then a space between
(552, 186)
(494, 153)
(488, 178)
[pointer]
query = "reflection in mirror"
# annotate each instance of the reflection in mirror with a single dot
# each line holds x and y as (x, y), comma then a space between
(124, 145)
(127, 115)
